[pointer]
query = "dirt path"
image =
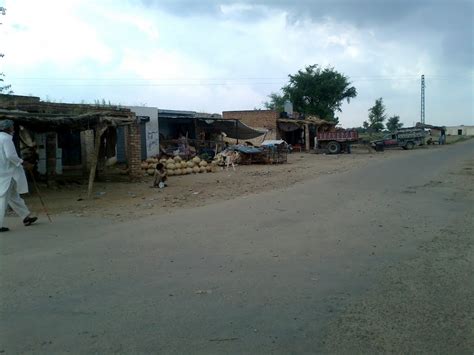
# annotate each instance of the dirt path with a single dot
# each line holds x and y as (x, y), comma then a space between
(125, 201)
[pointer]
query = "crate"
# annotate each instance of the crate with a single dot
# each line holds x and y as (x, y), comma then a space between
(274, 154)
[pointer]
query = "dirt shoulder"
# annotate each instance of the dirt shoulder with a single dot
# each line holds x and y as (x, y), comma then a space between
(125, 200)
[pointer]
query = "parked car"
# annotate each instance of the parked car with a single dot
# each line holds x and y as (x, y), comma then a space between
(405, 138)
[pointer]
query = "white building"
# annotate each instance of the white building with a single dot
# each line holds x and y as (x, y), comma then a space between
(150, 135)
(461, 130)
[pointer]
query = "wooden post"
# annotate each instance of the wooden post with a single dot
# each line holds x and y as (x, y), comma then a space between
(197, 138)
(51, 147)
(98, 133)
(307, 143)
(237, 131)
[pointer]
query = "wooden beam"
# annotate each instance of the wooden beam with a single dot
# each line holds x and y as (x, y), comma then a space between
(98, 133)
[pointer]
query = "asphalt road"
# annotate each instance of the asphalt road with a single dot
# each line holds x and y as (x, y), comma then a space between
(377, 259)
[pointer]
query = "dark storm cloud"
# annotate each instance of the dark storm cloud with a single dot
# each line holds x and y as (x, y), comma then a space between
(449, 21)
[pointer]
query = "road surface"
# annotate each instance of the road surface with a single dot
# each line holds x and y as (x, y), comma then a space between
(377, 259)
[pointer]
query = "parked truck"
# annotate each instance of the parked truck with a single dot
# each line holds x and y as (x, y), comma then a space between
(405, 138)
(336, 142)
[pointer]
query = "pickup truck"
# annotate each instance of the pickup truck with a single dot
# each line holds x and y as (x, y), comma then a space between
(336, 142)
(405, 138)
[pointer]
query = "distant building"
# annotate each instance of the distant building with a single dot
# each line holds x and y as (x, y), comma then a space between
(294, 129)
(460, 130)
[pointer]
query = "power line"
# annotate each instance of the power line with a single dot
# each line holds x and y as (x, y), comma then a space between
(35, 82)
(358, 77)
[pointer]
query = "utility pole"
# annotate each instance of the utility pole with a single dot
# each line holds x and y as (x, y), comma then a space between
(422, 116)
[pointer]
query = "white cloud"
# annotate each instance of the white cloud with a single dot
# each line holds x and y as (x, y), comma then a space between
(46, 32)
(235, 8)
(161, 66)
(132, 17)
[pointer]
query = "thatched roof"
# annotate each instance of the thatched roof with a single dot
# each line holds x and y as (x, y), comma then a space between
(46, 116)
(311, 120)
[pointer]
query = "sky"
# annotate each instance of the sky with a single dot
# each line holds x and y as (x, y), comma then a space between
(213, 56)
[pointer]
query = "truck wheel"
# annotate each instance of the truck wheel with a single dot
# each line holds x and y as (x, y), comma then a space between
(410, 145)
(334, 147)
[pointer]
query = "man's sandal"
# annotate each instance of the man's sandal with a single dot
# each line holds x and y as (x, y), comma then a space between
(29, 220)
(4, 229)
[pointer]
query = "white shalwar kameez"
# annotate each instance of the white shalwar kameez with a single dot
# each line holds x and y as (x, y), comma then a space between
(12, 179)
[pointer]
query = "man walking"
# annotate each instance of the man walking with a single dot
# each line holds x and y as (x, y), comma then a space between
(12, 178)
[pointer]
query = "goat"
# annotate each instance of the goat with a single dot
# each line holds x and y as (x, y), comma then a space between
(228, 158)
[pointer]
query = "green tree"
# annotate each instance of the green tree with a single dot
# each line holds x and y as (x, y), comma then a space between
(4, 89)
(317, 91)
(377, 116)
(276, 102)
(393, 123)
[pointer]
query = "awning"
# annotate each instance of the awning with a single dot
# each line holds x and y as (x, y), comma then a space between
(289, 126)
(232, 128)
(44, 122)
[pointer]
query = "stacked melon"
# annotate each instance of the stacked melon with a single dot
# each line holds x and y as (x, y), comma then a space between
(149, 165)
(178, 166)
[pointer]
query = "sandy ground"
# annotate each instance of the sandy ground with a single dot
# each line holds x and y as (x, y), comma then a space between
(377, 258)
(124, 201)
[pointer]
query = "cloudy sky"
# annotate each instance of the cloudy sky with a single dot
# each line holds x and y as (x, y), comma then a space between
(212, 56)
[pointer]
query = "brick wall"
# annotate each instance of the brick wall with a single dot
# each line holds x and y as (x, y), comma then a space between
(255, 118)
(133, 149)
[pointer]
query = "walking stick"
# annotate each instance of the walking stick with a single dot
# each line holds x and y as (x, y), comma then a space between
(40, 198)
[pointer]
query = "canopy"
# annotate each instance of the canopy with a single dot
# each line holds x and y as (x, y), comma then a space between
(232, 128)
(290, 125)
(43, 116)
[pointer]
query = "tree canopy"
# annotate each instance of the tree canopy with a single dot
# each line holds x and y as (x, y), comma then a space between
(316, 91)
(393, 123)
(376, 116)
(276, 102)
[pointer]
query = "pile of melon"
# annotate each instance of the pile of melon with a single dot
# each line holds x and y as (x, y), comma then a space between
(178, 166)
(148, 166)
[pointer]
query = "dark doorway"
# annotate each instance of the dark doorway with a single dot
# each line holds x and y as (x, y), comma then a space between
(121, 153)
(70, 143)
(295, 137)
(143, 139)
